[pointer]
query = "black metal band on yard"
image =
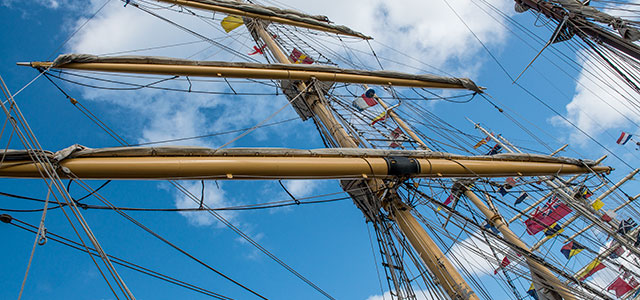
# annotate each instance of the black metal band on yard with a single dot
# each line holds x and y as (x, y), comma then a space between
(401, 166)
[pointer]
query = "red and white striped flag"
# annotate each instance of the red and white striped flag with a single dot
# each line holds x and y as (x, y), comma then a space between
(624, 138)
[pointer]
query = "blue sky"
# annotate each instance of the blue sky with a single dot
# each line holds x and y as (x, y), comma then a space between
(328, 243)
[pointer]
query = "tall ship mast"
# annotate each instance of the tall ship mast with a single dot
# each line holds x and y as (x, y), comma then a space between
(451, 213)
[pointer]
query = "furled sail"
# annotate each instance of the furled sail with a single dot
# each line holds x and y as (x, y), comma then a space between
(577, 8)
(580, 16)
(183, 67)
(268, 13)
(254, 163)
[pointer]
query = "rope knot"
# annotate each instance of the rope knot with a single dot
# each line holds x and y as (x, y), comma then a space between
(43, 237)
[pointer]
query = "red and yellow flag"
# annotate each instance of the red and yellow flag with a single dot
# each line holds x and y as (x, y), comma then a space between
(380, 117)
(297, 57)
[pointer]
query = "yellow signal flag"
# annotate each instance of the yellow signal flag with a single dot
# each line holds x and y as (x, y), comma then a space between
(231, 22)
(480, 143)
(597, 205)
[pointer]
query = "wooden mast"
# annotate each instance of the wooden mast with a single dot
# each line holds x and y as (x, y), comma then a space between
(451, 281)
(401, 122)
(313, 100)
(449, 278)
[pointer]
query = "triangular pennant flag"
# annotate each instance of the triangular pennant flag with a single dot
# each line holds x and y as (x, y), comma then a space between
(571, 249)
(480, 143)
(522, 197)
(505, 262)
(585, 192)
(231, 22)
(448, 200)
(488, 225)
(590, 269)
(495, 150)
(509, 257)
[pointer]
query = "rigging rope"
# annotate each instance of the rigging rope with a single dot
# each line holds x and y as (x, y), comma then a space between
(30, 142)
(538, 99)
(82, 184)
(228, 49)
(523, 252)
(251, 241)
(40, 233)
(224, 221)
(75, 245)
(78, 29)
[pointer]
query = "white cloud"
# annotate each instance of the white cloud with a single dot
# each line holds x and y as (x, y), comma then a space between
(476, 262)
(213, 198)
(596, 106)
(475, 256)
(52, 4)
(301, 188)
(166, 116)
(428, 30)
(599, 103)
(117, 28)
